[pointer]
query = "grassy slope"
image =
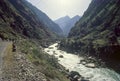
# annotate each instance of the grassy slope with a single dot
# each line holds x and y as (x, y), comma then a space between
(44, 63)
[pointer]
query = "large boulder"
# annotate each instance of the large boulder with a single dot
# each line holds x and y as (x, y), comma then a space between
(74, 76)
(61, 56)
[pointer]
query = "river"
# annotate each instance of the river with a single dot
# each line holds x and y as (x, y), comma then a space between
(72, 62)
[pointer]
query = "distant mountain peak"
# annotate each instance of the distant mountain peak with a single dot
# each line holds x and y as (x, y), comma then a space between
(76, 16)
(64, 17)
(66, 23)
(67, 16)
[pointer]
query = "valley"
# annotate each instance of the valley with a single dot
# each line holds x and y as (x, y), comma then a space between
(85, 47)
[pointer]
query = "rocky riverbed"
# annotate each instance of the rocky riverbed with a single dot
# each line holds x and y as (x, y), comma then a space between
(89, 70)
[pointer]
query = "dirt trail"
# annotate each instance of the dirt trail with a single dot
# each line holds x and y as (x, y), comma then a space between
(3, 48)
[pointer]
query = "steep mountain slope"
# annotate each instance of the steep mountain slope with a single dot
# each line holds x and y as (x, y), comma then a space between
(23, 58)
(22, 21)
(98, 33)
(62, 21)
(66, 23)
(45, 19)
(70, 24)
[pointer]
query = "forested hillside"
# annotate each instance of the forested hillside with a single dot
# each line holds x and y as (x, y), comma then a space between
(97, 33)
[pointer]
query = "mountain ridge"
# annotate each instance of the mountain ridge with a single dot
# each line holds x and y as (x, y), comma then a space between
(66, 23)
(61, 21)
(45, 19)
(22, 21)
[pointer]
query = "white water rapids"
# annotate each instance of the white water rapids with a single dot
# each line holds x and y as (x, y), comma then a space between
(72, 62)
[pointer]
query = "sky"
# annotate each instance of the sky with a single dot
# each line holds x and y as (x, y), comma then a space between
(59, 8)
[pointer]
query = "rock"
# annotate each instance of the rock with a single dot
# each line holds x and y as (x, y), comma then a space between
(31, 48)
(56, 46)
(61, 56)
(48, 50)
(84, 80)
(14, 48)
(90, 65)
(76, 77)
(67, 70)
(50, 47)
(36, 63)
(83, 62)
(89, 57)
(72, 74)
(61, 52)
(44, 79)
(23, 70)
(54, 53)
(0, 40)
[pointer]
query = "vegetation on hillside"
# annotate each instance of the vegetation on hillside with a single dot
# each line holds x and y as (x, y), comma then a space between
(20, 24)
(97, 33)
(44, 63)
(22, 21)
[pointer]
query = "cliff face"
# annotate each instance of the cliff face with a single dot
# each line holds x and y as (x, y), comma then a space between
(98, 32)
(17, 19)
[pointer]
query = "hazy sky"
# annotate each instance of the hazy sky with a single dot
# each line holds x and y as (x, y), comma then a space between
(59, 8)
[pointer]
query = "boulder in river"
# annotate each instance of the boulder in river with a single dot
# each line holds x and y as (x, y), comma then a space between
(48, 50)
(90, 65)
(74, 76)
(83, 62)
(54, 53)
(50, 47)
(61, 56)
(83, 80)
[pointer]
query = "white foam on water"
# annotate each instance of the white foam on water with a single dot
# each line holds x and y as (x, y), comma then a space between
(71, 62)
